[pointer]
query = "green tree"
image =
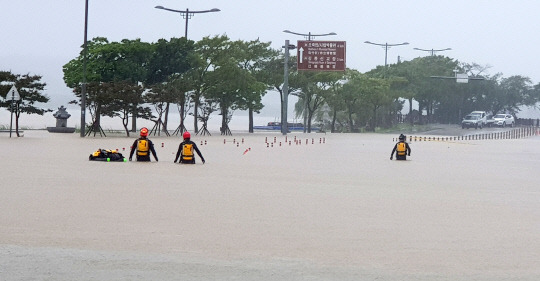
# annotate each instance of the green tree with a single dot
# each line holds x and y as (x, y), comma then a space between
(170, 58)
(124, 61)
(209, 51)
(517, 91)
(252, 57)
(180, 86)
(351, 97)
(313, 88)
(30, 89)
(124, 96)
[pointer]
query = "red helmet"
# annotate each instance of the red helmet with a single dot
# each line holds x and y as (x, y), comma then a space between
(144, 132)
(186, 135)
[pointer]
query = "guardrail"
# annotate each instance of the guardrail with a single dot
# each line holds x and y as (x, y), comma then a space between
(517, 133)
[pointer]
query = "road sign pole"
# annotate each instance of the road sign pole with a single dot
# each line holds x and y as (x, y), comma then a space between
(11, 120)
(15, 96)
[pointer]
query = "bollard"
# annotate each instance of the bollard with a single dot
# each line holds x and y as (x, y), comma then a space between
(290, 143)
(205, 142)
(242, 140)
(224, 141)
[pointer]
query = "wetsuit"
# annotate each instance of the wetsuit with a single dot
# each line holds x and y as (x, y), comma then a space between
(183, 157)
(401, 155)
(143, 155)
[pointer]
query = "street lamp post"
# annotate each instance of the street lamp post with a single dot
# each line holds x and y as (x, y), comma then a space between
(386, 46)
(83, 86)
(309, 37)
(432, 51)
(187, 14)
(285, 98)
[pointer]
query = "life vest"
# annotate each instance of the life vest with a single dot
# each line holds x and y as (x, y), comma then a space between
(401, 148)
(142, 147)
(187, 152)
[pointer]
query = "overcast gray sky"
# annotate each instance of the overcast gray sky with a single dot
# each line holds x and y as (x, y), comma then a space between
(39, 37)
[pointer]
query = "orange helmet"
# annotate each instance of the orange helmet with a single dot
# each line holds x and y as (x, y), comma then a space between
(144, 132)
(186, 135)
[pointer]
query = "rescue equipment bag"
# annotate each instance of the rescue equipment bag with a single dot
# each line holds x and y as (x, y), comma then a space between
(401, 148)
(142, 147)
(106, 155)
(187, 152)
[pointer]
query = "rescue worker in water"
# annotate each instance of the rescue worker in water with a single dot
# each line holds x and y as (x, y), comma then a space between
(402, 149)
(185, 151)
(143, 146)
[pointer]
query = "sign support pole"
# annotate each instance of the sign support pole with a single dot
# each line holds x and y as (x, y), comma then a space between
(11, 121)
(14, 97)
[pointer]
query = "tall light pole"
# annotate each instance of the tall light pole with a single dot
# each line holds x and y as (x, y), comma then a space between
(285, 100)
(187, 14)
(83, 86)
(308, 36)
(432, 51)
(386, 46)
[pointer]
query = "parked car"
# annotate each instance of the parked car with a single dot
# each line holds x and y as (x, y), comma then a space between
(504, 120)
(471, 121)
(476, 119)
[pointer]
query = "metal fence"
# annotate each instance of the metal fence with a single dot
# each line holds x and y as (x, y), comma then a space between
(516, 133)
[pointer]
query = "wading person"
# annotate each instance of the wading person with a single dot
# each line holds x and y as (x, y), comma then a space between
(144, 147)
(186, 151)
(402, 149)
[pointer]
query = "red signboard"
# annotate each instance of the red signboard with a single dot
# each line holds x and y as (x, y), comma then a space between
(321, 55)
